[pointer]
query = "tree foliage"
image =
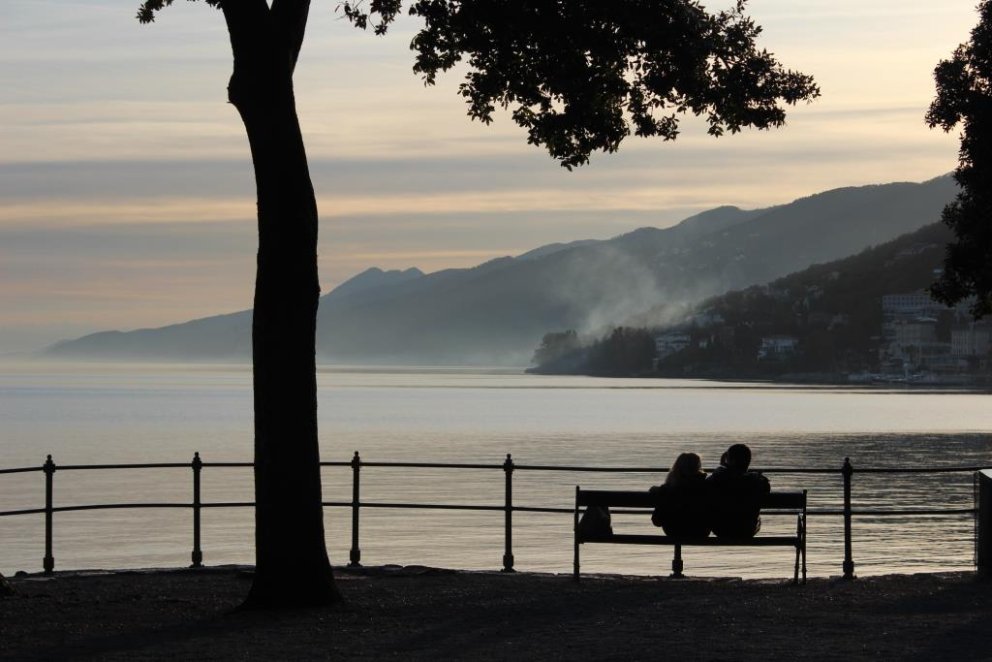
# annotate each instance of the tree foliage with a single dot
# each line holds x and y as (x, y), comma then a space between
(147, 10)
(555, 345)
(582, 75)
(964, 97)
(625, 351)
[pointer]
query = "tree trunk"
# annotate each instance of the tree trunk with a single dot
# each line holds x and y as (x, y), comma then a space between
(292, 568)
(5, 588)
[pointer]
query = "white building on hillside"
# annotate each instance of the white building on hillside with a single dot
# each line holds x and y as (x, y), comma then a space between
(777, 347)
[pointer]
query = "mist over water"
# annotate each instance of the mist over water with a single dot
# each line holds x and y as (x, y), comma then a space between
(98, 414)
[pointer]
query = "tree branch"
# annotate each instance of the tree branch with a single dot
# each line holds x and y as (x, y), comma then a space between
(290, 22)
(246, 25)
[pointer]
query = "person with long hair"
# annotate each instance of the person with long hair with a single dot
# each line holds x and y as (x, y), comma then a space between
(681, 507)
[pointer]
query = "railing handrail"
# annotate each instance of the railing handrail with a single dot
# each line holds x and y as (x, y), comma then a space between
(846, 471)
(124, 465)
(517, 467)
(21, 470)
(881, 512)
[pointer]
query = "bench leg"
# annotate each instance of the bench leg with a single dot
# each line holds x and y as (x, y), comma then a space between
(795, 573)
(677, 563)
(575, 564)
(804, 561)
(804, 549)
(799, 546)
(575, 536)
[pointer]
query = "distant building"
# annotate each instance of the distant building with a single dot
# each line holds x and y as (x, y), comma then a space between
(915, 304)
(912, 337)
(777, 347)
(670, 343)
(914, 333)
(909, 331)
(972, 340)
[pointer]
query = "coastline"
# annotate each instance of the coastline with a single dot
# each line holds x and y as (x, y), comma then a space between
(416, 612)
(789, 379)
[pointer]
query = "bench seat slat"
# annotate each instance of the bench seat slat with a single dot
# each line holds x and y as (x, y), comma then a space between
(616, 498)
(627, 499)
(785, 500)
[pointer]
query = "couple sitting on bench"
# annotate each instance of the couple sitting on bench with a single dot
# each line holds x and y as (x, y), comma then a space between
(691, 504)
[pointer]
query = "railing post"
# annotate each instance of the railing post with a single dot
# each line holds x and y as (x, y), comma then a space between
(355, 555)
(677, 564)
(983, 523)
(49, 562)
(508, 513)
(847, 471)
(197, 555)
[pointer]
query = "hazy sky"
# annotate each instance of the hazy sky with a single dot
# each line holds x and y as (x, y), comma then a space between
(126, 194)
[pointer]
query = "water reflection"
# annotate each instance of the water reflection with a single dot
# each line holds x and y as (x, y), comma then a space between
(461, 416)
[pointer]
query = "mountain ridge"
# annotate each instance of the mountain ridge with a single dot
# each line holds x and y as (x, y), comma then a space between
(495, 312)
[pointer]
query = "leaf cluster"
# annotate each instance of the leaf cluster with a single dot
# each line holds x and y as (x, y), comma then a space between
(582, 75)
(148, 8)
(964, 97)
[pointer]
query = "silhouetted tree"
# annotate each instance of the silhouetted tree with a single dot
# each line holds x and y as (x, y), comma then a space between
(625, 351)
(964, 96)
(579, 75)
(555, 345)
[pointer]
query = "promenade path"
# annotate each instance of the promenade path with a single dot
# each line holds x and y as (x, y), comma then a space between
(416, 613)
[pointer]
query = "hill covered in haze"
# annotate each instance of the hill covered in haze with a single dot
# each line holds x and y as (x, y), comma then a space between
(497, 312)
(832, 312)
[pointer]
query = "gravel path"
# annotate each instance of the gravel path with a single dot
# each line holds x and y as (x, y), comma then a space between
(423, 614)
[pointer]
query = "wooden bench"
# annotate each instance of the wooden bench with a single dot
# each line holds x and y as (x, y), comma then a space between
(775, 503)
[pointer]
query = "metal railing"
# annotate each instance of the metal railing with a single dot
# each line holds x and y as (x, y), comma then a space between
(509, 467)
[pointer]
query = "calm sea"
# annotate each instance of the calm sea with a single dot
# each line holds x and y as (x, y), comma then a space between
(154, 413)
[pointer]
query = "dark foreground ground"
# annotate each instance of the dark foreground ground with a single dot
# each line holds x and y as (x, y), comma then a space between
(422, 614)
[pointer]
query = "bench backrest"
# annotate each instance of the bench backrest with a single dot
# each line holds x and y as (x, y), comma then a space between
(776, 500)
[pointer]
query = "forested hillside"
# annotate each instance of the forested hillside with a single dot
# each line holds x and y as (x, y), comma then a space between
(832, 311)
